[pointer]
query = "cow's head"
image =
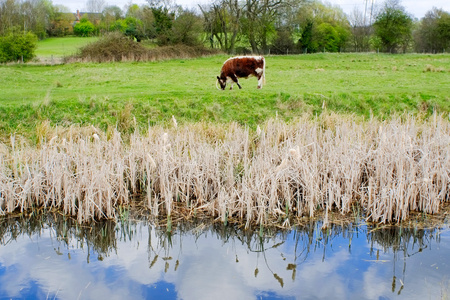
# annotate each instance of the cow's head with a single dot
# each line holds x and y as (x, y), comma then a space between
(222, 82)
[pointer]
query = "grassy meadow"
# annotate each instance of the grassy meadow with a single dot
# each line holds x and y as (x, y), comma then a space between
(107, 95)
(62, 46)
(367, 134)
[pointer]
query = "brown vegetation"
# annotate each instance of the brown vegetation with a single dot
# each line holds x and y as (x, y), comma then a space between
(431, 68)
(274, 175)
(115, 47)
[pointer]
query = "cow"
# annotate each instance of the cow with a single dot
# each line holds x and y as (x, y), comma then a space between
(242, 67)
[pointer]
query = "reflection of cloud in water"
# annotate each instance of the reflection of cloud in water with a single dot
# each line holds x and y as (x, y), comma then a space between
(27, 261)
(211, 274)
(374, 283)
(206, 267)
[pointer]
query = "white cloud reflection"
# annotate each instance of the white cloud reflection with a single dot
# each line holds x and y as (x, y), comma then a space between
(206, 267)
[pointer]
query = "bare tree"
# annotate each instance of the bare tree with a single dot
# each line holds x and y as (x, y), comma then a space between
(433, 32)
(168, 5)
(360, 30)
(260, 16)
(9, 15)
(95, 6)
(222, 22)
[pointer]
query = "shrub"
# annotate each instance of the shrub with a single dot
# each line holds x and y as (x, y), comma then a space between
(84, 28)
(17, 46)
(112, 47)
(116, 46)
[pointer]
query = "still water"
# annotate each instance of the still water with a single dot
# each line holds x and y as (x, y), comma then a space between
(53, 259)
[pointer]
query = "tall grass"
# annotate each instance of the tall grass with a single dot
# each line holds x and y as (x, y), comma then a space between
(270, 176)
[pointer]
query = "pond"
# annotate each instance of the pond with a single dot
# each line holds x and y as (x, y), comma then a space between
(53, 258)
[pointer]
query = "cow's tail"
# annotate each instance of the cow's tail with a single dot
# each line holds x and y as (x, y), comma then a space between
(264, 70)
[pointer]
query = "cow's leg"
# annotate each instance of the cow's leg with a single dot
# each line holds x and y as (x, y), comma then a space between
(259, 75)
(235, 79)
(260, 80)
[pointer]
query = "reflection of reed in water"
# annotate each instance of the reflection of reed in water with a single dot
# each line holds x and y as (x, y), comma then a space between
(398, 238)
(292, 248)
(404, 242)
(309, 237)
(97, 237)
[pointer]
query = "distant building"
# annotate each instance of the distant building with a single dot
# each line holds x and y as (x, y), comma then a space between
(94, 18)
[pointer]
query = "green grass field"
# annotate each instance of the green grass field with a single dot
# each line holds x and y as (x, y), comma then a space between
(60, 47)
(107, 95)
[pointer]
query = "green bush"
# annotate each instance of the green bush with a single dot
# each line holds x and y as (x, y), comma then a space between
(84, 28)
(119, 25)
(17, 46)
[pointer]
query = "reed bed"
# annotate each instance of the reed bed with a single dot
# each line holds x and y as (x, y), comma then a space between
(269, 176)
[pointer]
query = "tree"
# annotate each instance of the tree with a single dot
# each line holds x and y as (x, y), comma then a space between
(30, 15)
(163, 20)
(307, 42)
(61, 21)
(287, 28)
(186, 29)
(283, 42)
(84, 28)
(323, 28)
(146, 21)
(95, 6)
(17, 46)
(259, 22)
(9, 15)
(327, 38)
(433, 34)
(163, 16)
(360, 31)
(393, 26)
(110, 15)
(223, 23)
(134, 28)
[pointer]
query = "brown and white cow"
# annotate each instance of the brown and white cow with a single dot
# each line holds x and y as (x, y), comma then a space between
(242, 67)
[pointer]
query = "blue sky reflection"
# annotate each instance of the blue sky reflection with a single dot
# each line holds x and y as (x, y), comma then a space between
(214, 265)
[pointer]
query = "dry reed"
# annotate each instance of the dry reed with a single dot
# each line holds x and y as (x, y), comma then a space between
(273, 175)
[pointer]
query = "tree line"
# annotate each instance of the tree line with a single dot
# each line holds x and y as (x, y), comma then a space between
(239, 26)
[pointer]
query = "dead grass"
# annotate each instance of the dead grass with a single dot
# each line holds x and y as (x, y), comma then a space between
(431, 68)
(276, 175)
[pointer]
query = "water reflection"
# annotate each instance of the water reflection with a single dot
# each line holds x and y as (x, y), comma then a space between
(51, 257)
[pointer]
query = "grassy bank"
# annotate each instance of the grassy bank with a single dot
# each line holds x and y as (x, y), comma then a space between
(130, 95)
(328, 132)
